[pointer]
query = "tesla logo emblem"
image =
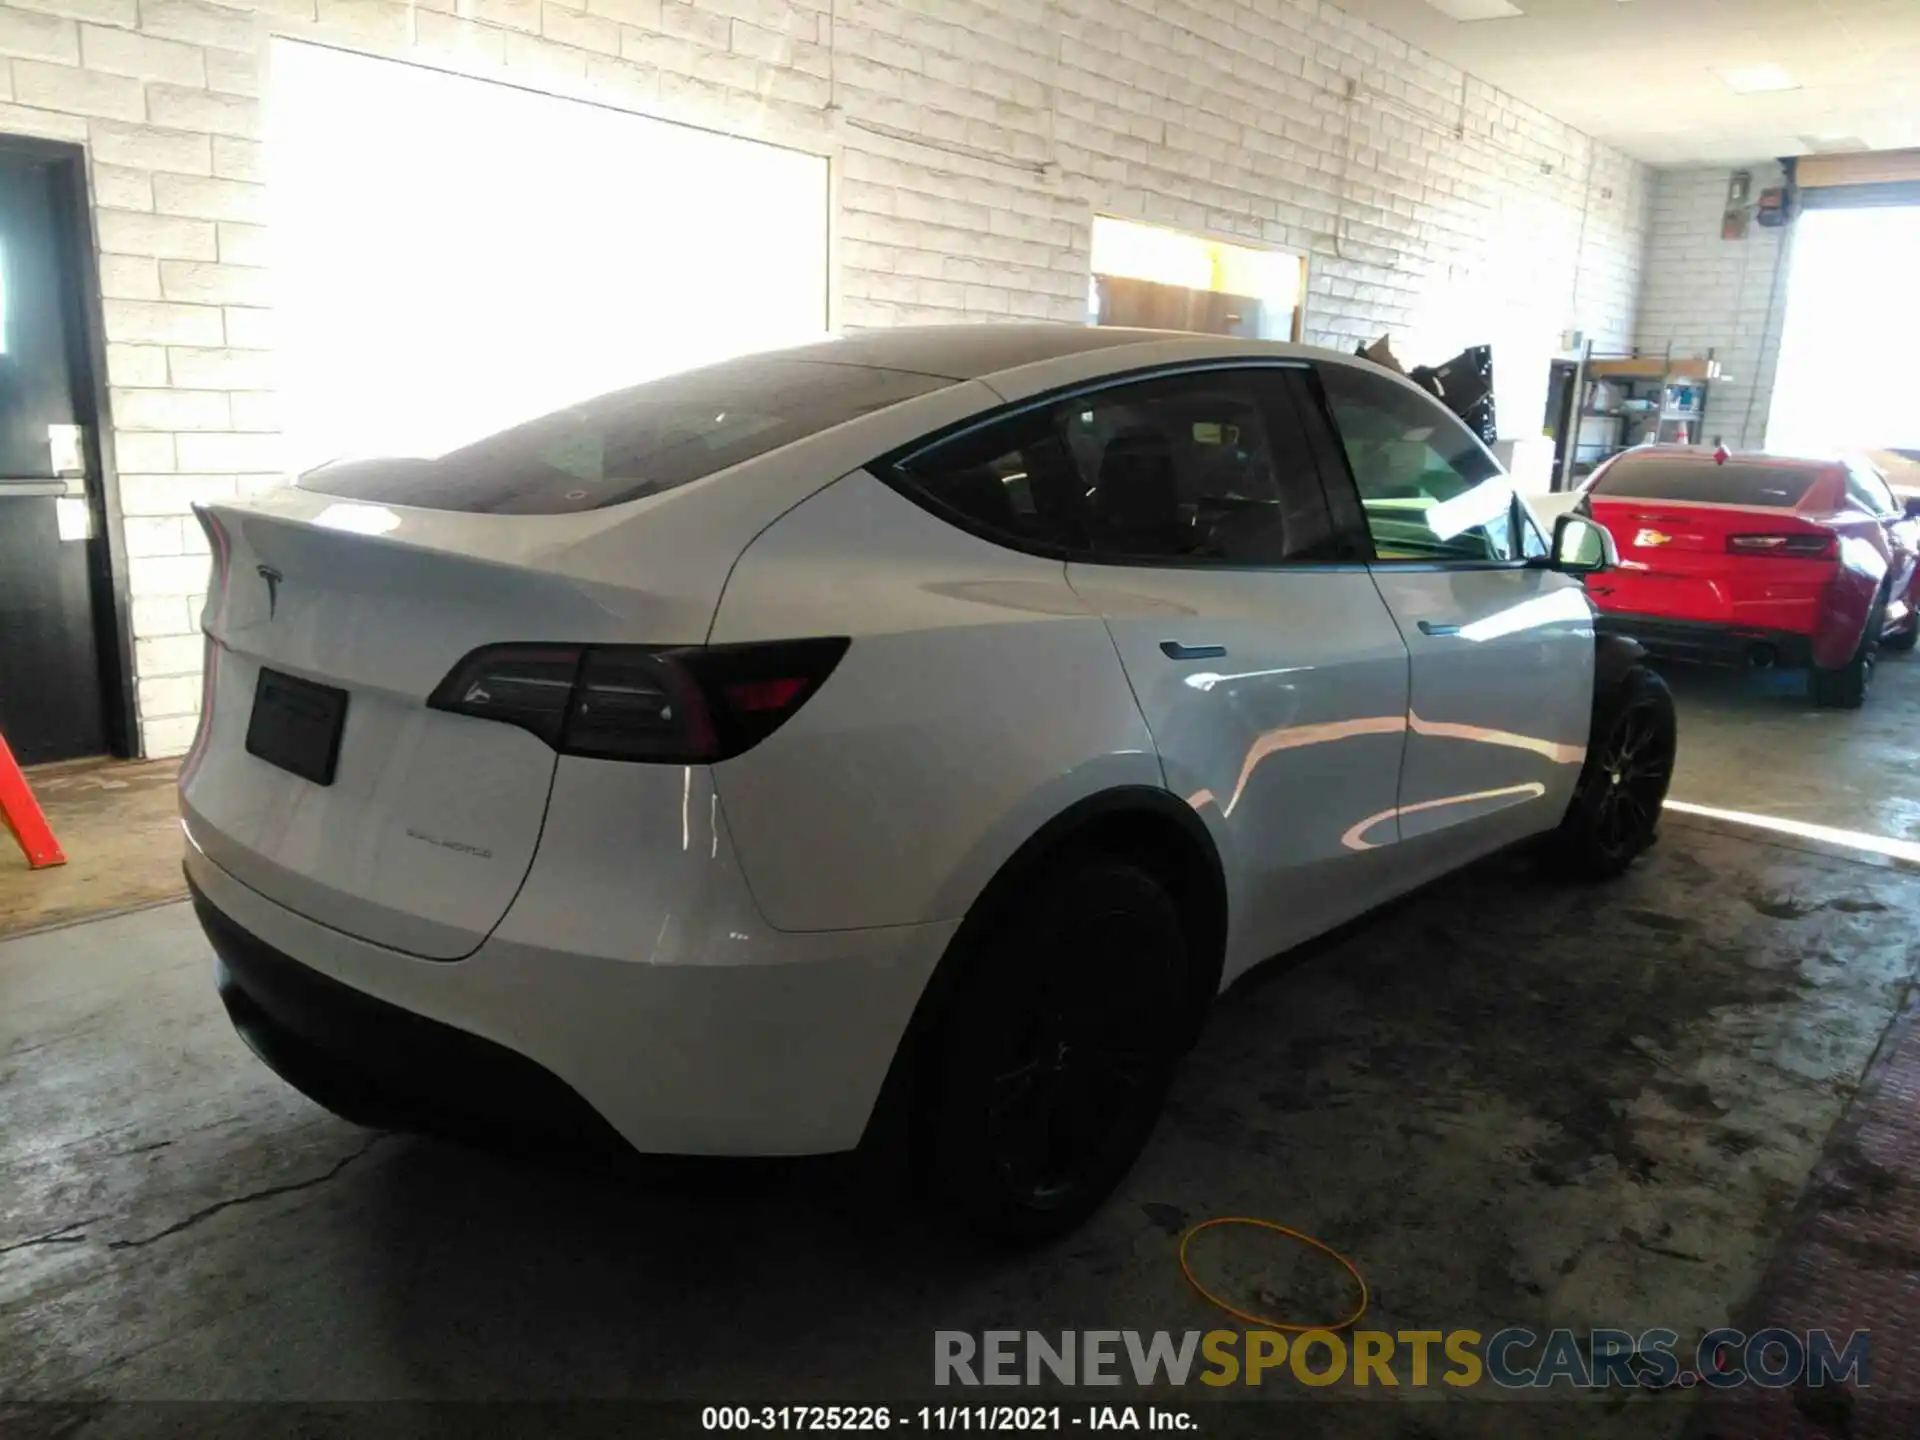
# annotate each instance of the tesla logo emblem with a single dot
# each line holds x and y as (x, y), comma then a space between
(273, 578)
(1651, 538)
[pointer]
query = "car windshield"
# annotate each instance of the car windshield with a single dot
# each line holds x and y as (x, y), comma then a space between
(1734, 483)
(631, 443)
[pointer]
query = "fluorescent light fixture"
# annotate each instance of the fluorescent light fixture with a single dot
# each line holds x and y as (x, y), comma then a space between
(1475, 9)
(1834, 144)
(1756, 79)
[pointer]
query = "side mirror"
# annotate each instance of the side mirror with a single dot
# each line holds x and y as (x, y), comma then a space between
(1911, 507)
(1582, 546)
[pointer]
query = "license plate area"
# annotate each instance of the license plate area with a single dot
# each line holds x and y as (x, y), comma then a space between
(296, 725)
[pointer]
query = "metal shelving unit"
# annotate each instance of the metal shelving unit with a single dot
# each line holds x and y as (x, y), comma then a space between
(1639, 398)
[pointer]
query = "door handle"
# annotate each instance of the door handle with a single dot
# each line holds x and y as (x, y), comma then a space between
(1174, 650)
(1428, 627)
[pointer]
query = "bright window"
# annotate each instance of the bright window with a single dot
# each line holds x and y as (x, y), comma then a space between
(1162, 279)
(454, 256)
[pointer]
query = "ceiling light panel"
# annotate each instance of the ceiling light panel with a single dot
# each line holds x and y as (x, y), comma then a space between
(1834, 144)
(1756, 79)
(1475, 9)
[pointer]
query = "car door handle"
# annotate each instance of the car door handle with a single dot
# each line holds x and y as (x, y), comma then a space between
(1428, 627)
(1174, 650)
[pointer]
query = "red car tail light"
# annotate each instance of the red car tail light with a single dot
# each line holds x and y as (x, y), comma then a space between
(666, 705)
(1804, 546)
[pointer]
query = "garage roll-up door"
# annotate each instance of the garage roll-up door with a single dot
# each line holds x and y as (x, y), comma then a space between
(452, 255)
(1847, 182)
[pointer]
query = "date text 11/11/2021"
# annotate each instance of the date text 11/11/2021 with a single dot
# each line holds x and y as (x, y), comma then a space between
(1036, 1419)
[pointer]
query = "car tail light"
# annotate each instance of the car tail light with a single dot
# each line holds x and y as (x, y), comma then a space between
(1798, 547)
(668, 705)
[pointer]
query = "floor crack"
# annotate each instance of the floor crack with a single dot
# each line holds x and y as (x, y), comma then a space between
(62, 1236)
(270, 1192)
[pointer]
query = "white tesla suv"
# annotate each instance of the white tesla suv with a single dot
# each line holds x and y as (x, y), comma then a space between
(911, 732)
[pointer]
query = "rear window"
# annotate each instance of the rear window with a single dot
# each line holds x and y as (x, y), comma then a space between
(632, 443)
(1734, 483)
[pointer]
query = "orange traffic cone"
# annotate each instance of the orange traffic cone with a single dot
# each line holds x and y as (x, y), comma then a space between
(22, 814)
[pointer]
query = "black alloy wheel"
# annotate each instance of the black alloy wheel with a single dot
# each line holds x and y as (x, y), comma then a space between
(1615, 813)
(1059, 1050)
(1636, 764)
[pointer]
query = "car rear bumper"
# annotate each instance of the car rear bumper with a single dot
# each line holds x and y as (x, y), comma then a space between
(1708, 643)
(781, 1053)
(368, 1059)
(1774, 596)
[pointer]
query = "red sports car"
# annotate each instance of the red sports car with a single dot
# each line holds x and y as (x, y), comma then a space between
(1752, 559)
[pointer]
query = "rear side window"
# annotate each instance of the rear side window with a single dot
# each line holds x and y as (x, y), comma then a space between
(1208, 467)
(1734, 483)
(1867, 490)
(632, 443)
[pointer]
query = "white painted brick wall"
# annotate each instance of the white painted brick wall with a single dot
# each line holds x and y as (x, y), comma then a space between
(974, 140)
(1699, 292)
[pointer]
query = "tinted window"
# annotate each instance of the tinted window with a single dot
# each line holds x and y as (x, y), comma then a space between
(1533, 544)
(1429, 489)
(1868, 491)
(1189, 468)
(1738, 482)
(632, 443)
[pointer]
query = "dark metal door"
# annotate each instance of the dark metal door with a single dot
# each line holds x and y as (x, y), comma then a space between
(51, 680)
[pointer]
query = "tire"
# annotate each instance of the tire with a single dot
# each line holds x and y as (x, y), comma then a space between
(1902, 641)
(1845, 687)
(1615, 813)
(1056, 1050)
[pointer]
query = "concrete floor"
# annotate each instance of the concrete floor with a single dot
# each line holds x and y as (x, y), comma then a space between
(1509, 1101)
(1751, 741)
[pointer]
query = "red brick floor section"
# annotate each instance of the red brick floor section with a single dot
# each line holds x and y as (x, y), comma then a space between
(1852, 1262)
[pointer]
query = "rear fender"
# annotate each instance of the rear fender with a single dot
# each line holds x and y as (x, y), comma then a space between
(977, 685)
(1850, 599)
